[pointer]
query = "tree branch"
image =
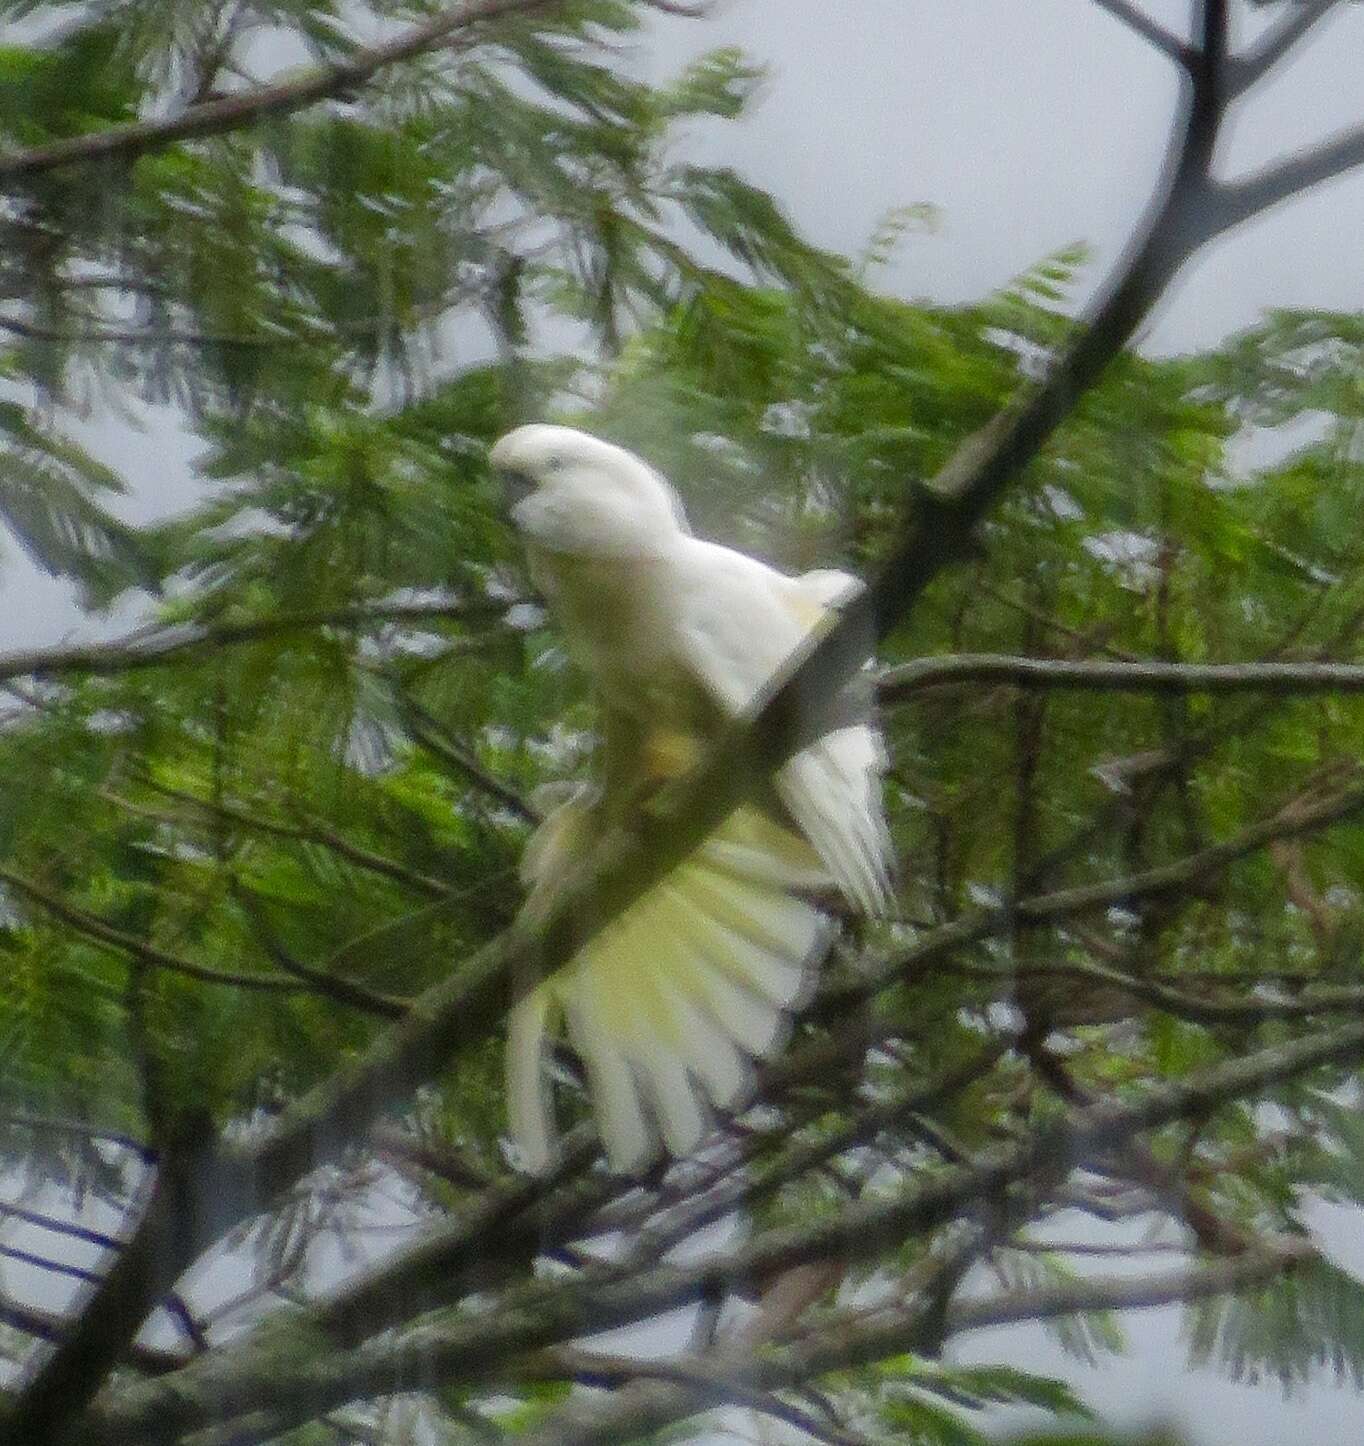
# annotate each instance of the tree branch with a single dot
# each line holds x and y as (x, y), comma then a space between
(229, 113)
(846, 1342)
(1252, 67)
(380, 864)
(109, 1319)
(48, 1326)
(327, 985)
(59, 1227)
(1142, 24)
(701, 1383)
(96, 929)
(1252, 1009)
(1233, 202)
(427, 731)
(154, 646)
(134, 336)
(312, 1376)
(896, 685)
(1178, 1287)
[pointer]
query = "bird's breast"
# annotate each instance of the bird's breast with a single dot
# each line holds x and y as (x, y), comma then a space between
(620, 621)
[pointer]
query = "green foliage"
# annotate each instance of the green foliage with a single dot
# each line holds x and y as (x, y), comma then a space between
(924, 1401)
(1309, 1325)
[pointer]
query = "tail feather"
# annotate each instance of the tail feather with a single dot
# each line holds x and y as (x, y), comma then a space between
(711, 1054)
(528, 1103)
(670, 1001)
(627, 1131)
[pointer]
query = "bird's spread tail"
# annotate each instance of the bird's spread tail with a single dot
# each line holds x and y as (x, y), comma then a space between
(669, 1004)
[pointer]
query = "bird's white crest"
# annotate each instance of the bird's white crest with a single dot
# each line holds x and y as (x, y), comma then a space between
(670, 1003)
(586, 498)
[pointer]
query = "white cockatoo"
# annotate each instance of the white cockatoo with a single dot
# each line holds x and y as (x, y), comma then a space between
(669, 1004)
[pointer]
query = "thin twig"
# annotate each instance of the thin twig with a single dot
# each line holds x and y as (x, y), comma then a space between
(1164, 40)
(154, 646)
(96, 929)
(1252, 67)
(328, 838)
(427, 731)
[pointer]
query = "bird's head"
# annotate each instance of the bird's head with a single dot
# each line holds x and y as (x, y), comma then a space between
(571, 492)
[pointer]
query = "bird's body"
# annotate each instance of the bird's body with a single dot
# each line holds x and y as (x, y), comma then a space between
(678, 636)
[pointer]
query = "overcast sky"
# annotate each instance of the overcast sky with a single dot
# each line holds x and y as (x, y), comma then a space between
(1030, 124)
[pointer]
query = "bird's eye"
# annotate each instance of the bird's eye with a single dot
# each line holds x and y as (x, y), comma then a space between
(554, 463)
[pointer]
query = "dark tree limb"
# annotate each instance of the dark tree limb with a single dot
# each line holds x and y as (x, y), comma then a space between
(335, 987)
(428, 732)
(1254, 1268)
(1234, 202)
(235, 814)
(847, 1342)
(104, 1327)
(44, 1325)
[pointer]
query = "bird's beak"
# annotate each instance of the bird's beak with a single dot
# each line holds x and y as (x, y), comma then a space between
(516, 487)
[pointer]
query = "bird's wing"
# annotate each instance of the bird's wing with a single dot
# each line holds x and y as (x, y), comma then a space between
(738, 622)
(671, 1000)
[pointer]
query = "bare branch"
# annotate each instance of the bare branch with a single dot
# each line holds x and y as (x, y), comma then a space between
(47, 1263)
(406, 1151)
(1179, 1287)
(895, 685)
(134, 336)
(1142, 24)
(229, 113)
(48, 1326)
(328, 986)
(1247, 1009)
(844, 1342)
(705, 1383)
(1233, 202)
(1252, 67)
(50, 1124)
(695, 10)
(1301, 816)
(427, 731)
(59, 1227)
